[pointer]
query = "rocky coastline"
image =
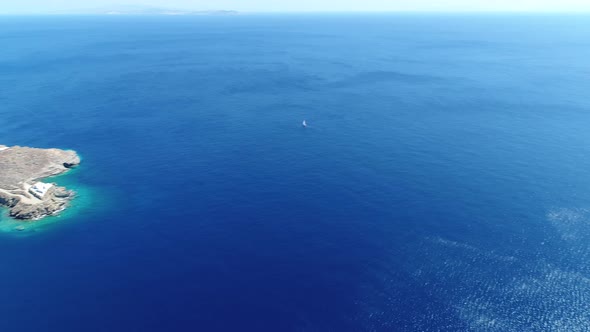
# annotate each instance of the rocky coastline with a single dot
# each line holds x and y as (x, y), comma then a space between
(22, 191)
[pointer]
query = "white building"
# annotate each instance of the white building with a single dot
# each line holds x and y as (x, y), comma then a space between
(39, 189)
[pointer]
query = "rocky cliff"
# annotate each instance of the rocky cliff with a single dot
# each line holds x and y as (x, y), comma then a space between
(21, 168)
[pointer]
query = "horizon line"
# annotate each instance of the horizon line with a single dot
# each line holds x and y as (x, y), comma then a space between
(237, 12)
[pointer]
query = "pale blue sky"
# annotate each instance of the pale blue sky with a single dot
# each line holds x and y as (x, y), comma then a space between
(27, 6)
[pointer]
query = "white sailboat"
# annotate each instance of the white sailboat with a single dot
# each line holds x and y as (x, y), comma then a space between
(304, 124)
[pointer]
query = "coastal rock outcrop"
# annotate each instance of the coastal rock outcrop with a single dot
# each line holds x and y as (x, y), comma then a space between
(21, 189)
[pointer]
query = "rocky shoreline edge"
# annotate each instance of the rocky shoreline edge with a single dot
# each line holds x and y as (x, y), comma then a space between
(22, 191)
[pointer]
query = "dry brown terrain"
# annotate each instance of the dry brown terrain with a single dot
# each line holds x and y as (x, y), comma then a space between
(21, 167)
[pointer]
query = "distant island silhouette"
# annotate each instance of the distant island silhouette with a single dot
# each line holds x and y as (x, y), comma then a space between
(143, 10)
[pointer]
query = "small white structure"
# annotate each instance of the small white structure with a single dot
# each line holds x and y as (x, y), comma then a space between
(39, 189)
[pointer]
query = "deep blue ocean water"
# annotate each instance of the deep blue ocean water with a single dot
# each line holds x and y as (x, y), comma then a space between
(443, 182)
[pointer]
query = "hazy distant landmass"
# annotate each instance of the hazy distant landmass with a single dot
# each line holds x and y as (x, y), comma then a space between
(144, 10)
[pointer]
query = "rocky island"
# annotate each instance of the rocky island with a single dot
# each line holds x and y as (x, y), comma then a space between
(21, 189)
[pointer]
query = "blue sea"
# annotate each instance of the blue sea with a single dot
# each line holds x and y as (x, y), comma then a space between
(442, 182)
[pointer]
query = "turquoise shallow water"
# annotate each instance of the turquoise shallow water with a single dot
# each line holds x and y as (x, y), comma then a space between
(442, 183)
(87, 201)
